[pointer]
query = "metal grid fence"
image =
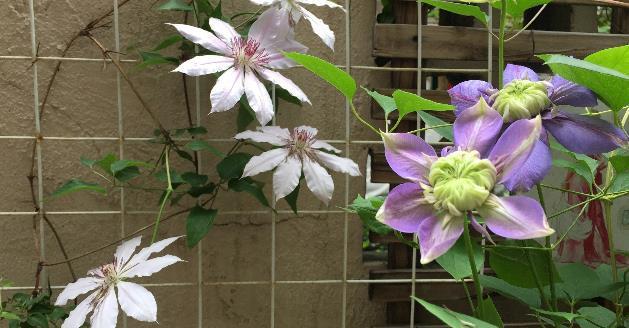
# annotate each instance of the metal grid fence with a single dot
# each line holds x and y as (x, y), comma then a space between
(200, 283)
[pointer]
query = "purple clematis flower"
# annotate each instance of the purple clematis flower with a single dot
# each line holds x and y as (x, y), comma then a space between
(524, 96)
(442, 191)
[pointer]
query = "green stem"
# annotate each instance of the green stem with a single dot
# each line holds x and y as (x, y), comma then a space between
(538, 282)
(501, 42)
(565, 190)
(468, 296)
(169, 191)
(607, 208)
(470, 256)
(551, 276)
(358, 117)
(430, 128)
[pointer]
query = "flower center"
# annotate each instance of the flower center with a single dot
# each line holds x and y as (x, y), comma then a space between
(460, 182)
(521, 99)
(247, 52)
(300, 142)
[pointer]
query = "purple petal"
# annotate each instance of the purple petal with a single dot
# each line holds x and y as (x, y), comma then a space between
(515, 146)
(437, 234)
(404, 209)
(517, 217)
(477, 128)
(564, 92)
(532, 171)
(408, 155)
(482, 230)
(517, 72)
(466, 94)
(585, 134)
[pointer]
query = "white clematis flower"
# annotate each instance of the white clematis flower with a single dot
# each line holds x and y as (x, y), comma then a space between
(245, 60)
(297, 11)
(135, 300)
(298, 150)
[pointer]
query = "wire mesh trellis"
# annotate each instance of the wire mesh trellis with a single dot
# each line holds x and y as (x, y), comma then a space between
(344, 282)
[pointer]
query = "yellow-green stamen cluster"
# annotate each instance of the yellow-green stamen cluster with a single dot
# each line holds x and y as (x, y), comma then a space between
(460, 182)
(521, 99)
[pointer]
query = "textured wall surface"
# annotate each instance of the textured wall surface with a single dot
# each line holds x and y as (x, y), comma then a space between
(83, 103)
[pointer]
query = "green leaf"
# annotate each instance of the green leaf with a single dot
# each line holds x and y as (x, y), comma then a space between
(451, 318)
(621, 182)
(579, 282)
(512, 266)
(528, 296)
(561, 316)
(175, 178)
(245, 115)
(37, 320)
(75, 185)
(431, 120)
(198, 224)
(407, 102)
(202, 190)
(596, 317)
(460, 9)
(169, 41)
(579, 167)
(232, 166)
(616, 58)
(456, 262)
(490, 313)
(105, 163)
(604, 272)
(197, 130)
(9, 315)
(175, 5)
(122, 164)
(620, 160)
(250, 186)
(517, 8)
(286, 96)
(335, 76)
(366, 210)
(200, 145)
(386, 103)
(127, 173)
(204, 6)
(151, 58)
(194, 179)
(291, 198)
(610, 85)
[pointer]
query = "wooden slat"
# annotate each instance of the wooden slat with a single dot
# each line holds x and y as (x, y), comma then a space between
(467, 43)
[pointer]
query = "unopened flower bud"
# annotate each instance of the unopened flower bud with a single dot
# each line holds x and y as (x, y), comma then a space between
(521, 99)
(460, 182)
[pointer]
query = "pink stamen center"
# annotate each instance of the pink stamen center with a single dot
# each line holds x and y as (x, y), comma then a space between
(248, 52)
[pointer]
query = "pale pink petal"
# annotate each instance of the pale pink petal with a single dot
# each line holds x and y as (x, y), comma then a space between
(77, 317)
(125, 250)
(318, 180)
(338, 164)
(321, 3)
(284, 83)
(276, 58)
(264, 162)
(149, 267)
(106, 312)
(203, 38)
(320, 28)
(265, 2)
(259, 136)
(223, 31)
(286, 177)
(312, 131)
(277, 131)
(271, 28)
(137, 302)
(203, 65)
(146, 252)
(324, 145)
(258, 98)
(228, 90)
(74, 289)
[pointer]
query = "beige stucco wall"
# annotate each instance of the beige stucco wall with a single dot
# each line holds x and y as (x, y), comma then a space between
(84, 103)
